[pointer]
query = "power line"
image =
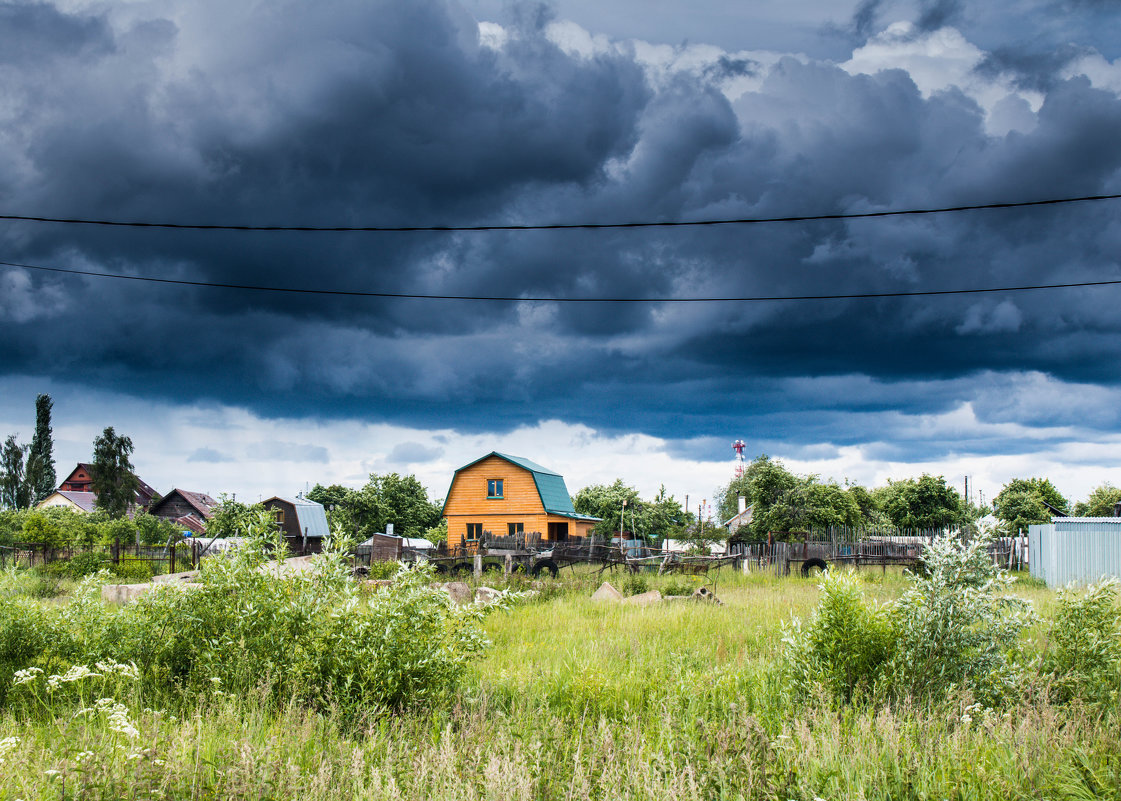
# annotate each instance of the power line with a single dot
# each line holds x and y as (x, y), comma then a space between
(551, 226)
(544, 299)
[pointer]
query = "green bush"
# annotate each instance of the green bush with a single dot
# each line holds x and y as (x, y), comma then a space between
(844, 647)
(635, 584)
(246, 625)
(956, 626)
(1083, 657)
(134, 570)
(383, 570)
(953, 629)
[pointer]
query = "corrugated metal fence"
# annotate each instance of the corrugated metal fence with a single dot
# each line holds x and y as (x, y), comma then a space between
(1078, 549)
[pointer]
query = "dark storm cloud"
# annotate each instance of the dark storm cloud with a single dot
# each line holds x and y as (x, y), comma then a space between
(1037, 70)
(401, 114)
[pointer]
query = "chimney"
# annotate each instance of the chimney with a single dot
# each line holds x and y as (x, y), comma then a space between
(743, 504)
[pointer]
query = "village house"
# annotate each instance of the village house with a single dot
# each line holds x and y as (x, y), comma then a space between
(303, 522)
(79, 480)
(508, 495)
(70, 499)
(187, 510)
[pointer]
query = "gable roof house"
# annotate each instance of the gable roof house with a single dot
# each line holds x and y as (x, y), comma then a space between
(303, 522)
(185, 509)
(510, 495)
(79, 480)
(70, 499)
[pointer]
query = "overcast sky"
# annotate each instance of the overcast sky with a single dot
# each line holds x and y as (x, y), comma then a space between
(481, 112)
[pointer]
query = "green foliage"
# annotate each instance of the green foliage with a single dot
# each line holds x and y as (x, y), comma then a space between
(655, 520)
(784, 503)
(1083, 658)
(383, 570)
(845, 645)
(313, 636)
(390, 498)
(438, 533)
(1041, 487)
(111, 475)
(953, 628)
(14, 490)
(1019, 509)
(956, 626)
(606, 501)
(79, 566)
(231, 517)
(40, 455)
(1101, 502)
(635, 584)
(923, 503)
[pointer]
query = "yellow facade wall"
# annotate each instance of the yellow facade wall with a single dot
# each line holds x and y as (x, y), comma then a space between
(467, 502)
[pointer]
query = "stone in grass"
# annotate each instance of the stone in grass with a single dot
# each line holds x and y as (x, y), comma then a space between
(644, 599)
(487, 595)
(607, 593)
(458, 591)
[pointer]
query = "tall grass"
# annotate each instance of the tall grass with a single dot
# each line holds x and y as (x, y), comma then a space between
(577, 699)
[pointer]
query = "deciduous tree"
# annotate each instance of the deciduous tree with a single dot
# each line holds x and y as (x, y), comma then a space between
(111, 473)
(1101, 503)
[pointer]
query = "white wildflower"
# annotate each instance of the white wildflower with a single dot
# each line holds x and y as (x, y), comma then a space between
(76, 673)
(83, 756)
(128, 671)
(51, 772)
(120, 723)
(26, 676)
(7, 745)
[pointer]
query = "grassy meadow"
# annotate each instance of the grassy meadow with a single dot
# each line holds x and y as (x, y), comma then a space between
(576, 699)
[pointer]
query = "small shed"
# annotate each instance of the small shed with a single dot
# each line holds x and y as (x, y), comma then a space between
(303, 522)
(1075, 549)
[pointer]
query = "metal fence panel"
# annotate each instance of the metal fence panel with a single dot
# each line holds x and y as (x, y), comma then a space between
(1079, 550)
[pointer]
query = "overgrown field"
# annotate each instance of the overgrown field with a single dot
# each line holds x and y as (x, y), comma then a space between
(572, 699)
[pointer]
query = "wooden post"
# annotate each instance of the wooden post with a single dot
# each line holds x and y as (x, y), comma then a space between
(116, 551)
(509, 564)
(478, 565)
(171, 559)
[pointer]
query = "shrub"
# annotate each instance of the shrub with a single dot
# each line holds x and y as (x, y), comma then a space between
(953, 628)
(383, 570)
(635, 584)
(247, 625)
(844, 646)
(956, 626)
(1083, 657)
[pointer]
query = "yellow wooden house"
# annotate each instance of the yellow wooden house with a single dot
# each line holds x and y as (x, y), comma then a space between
(508, 495)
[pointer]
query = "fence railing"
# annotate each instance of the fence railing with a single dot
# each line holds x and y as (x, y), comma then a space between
(159, 558)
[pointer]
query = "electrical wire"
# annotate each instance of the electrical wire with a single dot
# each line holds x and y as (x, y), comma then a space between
(546, 299)
(553, 226)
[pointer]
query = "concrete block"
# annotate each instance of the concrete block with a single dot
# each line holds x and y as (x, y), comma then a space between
(607, 593)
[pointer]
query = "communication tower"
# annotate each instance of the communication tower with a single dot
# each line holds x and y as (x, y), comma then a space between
(739, 446)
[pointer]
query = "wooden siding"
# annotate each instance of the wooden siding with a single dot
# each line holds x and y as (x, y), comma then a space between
(520, 503)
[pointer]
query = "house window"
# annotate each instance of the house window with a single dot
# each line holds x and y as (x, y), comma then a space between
(494, 488)
(515, 528)
(279, 516)
(474, 531)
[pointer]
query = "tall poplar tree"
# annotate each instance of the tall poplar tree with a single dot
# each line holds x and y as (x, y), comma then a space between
(40, 458)
(14, 491)
(111, 473)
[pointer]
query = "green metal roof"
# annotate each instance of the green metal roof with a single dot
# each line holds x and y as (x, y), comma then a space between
(550, 486)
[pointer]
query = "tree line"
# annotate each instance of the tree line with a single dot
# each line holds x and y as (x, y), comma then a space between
(785, 504)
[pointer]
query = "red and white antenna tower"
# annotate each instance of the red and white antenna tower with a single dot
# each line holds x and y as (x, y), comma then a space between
(739, 446)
